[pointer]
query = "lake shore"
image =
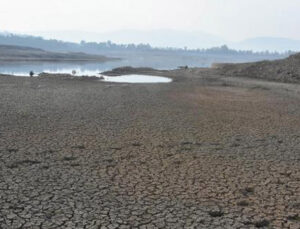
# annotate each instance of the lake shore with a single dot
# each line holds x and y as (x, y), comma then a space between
(205, 151)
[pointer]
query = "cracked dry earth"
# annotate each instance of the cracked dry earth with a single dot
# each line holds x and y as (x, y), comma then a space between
(195, 153)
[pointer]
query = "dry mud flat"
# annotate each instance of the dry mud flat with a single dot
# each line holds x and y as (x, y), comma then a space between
(201, 152)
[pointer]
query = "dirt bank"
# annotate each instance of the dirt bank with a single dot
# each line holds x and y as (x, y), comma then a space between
(286, 70)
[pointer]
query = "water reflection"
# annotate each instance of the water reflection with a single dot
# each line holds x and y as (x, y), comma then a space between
(137, 79)
(81, 68)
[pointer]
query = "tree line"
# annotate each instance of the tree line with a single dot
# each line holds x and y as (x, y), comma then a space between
(108, 46)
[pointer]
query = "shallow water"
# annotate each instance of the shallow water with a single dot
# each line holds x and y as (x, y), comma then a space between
(137, 79)
(23, 69)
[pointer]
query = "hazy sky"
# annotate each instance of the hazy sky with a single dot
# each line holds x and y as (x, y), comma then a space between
(230, 19)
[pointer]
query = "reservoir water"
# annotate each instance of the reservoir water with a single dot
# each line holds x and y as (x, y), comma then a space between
(157, 61)
(137, 79)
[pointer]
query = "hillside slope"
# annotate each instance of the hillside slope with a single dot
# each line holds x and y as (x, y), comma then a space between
(285, 70)
(20, 53)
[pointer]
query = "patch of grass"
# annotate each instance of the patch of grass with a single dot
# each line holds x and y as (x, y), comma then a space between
(31, 162)
(136, 144)
(12, 166)
(296, 205)
(286, 173)
(78, 147)
(169, 155)
(24, 162)
(261, 223)
(243, 203)
(294, 217)
(48, 151)
(109, 160)
(45, 167)
(116, 148)
(247, 223)
(69, 158)
(225, 84)
(23, 113)
(260, 88)
(217, 213)
(12, 150)
(186, 143)
(234, 145)
(247, 190)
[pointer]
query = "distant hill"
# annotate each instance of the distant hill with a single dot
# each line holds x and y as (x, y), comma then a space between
(113, 49)
(156, 38)
(268, 43)
(21, 53)
(177, 39)
(37, 42)
(285, 70)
